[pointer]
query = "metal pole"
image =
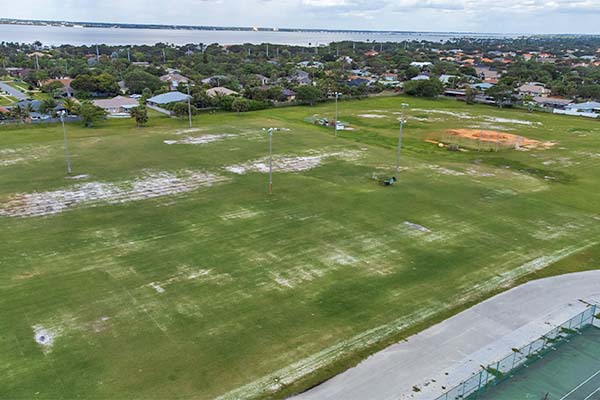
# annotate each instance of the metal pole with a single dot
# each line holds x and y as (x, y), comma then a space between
(189, 104)
(62, 120)
(400, 141)
(336, 113)
(270, 160)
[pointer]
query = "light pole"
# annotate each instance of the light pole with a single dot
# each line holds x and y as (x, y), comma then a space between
(337, 95)
(270, 130)
(403, 106)
(189, 104)
(62, 120)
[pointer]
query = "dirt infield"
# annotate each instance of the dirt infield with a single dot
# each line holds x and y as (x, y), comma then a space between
(501, 138)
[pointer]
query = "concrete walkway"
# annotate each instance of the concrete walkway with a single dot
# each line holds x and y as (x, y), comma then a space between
(446, 354)
(17, 94)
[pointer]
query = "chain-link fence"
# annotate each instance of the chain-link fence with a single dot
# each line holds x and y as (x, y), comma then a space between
(497, 372)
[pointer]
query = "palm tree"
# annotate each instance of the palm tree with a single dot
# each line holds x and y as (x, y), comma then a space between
(69, 104)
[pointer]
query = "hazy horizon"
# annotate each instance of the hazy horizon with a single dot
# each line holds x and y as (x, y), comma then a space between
(483, 16)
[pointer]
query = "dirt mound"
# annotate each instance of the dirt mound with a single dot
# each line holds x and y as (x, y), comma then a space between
(502, 138)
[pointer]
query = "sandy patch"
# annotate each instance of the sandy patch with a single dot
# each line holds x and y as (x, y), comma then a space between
(291, 163)
(199, 140)
(157, 287)
(500, 138)
(151, 185)
(371, 116)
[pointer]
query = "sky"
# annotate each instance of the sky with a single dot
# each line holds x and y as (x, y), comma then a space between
(489, 16)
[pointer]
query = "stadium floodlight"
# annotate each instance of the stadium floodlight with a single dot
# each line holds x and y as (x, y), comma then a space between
(270, 130)
(403, 106)
(337, 95)
(68, 158)
(189, 104)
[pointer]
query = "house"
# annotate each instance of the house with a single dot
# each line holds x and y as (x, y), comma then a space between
(300, 77)
(168, 98)
(482, 86)
(590, 109)
(263, 80)
(214, 80)
(388, 76)
(310, 64)
(66, 90)
(487, 74)
(221, 91)
(288, 95)
(533, 89)
(356, 81)
(117, 105)
(552, 102)
(421, 77)
(174, 79)
(371, 53)
(142, 64)
(445, 79)
(17, 72)
(421, 65)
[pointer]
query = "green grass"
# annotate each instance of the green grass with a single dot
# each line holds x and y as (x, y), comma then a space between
(326, 258)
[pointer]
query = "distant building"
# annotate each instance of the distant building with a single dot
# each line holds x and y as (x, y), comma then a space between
(371, 53)
(590, 109)
(533, 89)
(221, 91)
(174, 79)
(420, 64)
(116, 105)
(420, 77)
(300, 77)
(445, 79)
(552, 102)
(168, 98)
(66, 90)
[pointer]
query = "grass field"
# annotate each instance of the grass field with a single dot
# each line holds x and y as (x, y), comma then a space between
(166, 271)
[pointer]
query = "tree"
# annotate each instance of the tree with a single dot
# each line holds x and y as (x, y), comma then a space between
(309, 94)
(47, 106)
(181, 109)
(424, 88)
(69, 104)
(137, 81)
(470, 94)
(140, 114)
(89, 113)
(240, 105)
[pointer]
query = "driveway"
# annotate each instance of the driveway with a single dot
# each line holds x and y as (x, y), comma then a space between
(17, 94)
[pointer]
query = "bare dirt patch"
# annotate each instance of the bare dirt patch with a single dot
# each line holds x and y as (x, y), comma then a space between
(13, 156)
(199, 140)
(502, 138)
(372, 116)
(291, 163)
(188, 273)
(90, 194)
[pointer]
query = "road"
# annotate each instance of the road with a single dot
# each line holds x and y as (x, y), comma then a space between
(17, 94)
(444, 355)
